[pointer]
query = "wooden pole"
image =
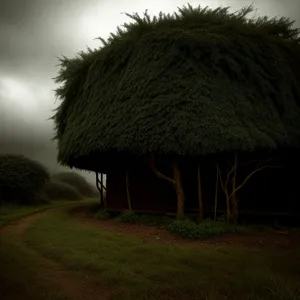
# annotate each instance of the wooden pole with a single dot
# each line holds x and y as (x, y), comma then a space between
(101, 192)
(216, 196)
(175, 181)
(179, 190)
(99, 189)
(200, 195)
(127, 190)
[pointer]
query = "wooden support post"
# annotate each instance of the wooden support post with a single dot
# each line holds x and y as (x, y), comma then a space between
(200, 195)
(175, 181)
(101, 192)
(127, 191)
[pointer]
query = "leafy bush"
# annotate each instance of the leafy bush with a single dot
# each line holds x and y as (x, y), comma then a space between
(207, 228)
(77, 181)
(58, 190)
(21, 179)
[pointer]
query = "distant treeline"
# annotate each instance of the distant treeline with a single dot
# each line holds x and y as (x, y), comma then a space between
(25, 181)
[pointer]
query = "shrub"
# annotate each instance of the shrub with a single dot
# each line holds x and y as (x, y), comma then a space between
(58, 190)
(207, 228)
(21, 179)
(77, 181)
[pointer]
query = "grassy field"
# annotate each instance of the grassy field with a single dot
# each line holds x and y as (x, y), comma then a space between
(18, 276)
(144, 270)
(133, 268)
(12, 212)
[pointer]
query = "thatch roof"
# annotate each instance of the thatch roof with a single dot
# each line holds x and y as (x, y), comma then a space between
(197, 82)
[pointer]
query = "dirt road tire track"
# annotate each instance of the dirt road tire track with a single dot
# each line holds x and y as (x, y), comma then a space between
(51, 271)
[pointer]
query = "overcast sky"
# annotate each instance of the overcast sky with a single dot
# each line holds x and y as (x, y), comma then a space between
(34, 32)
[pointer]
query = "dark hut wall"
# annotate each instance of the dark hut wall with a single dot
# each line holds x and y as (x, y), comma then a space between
(272, 191)
(147, 192)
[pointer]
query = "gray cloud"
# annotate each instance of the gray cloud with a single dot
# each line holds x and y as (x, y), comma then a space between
(34, 32)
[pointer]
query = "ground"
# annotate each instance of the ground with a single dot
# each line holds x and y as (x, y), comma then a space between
(60, 253)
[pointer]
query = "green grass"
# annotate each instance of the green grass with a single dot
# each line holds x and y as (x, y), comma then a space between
(144, 270)
(19, 276)
(13, 212)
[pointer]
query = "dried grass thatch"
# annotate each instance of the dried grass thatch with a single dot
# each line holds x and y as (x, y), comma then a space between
(197, 82)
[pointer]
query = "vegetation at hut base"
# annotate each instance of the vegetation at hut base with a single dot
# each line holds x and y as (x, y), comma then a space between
(205, 229)
(188, 227)
(199, 83)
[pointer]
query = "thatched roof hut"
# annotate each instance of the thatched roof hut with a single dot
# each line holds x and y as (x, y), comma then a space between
(195, 83)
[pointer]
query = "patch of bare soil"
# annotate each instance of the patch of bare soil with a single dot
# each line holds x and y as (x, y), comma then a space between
(75, 287)
(270, 238)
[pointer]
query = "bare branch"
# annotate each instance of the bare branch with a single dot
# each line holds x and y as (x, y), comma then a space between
(157, 173)
(233, 169)
(255, 161)
(249, 176)
(221, 179)
(224, 187)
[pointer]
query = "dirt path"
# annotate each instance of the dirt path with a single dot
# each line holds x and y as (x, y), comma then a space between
(63, 280)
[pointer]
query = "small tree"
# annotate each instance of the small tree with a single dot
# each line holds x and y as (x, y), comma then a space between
(127, 191)
(230, 187)
(200, 195)
(175, 181)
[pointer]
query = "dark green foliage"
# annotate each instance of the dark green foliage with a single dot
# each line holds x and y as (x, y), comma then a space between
(197, 82)
(206, 229)
(59, 190)
(21, 179)
(78, 182)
